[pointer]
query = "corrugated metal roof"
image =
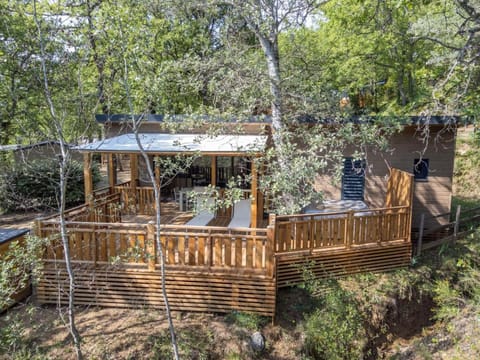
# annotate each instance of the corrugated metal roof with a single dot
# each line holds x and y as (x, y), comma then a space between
(157, 118)
(356, 119)
(178, 143)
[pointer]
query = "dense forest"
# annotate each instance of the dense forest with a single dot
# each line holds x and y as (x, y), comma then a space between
(208, 57)
(320, 61)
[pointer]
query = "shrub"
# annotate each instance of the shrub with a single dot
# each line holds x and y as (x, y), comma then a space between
(335, 330)
(36, 185)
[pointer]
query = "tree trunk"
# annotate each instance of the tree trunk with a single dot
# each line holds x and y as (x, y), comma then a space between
(100, 64)
(58, 131)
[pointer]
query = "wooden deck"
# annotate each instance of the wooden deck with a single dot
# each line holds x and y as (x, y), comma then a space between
(214, 268)
(171, 215)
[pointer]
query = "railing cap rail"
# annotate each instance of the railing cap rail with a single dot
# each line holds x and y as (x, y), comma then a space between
(346, 212)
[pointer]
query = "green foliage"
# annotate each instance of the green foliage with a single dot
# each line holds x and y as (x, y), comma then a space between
(19, 265)
(12, 335)
(335, 330)
(290, 180)
(15, 340)
(252, 322)
(448, 300)
(36, 185)
(193, 343)
(467, 161)
(455, 276)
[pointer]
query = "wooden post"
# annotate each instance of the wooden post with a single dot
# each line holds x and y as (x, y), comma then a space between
(112, 172)
(457, 223)
(133, 180)
(270, 251)
(349, 229)
(272, 221)
(88, 178)
(152, 256)
(156, 161)
(420, 235)
(253, 205)
(209, 255)
(213, 175)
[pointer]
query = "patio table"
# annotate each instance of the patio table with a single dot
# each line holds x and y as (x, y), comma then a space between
(332, 206)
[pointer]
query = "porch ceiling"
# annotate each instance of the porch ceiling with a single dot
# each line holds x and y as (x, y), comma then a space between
(178, 143)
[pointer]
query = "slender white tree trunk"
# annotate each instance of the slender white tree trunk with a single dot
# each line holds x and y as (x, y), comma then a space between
(158, 215)
(58, 130)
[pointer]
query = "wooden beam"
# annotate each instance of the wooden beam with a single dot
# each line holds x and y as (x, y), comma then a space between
(112, 171)
(88, 178)
(260, 198)
(133, 178)
(156, 164)
(253, 221)
(214, 171)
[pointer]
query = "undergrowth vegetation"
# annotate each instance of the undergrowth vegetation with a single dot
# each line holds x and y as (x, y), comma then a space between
(35, 185)
(359, 316)
(467, 163)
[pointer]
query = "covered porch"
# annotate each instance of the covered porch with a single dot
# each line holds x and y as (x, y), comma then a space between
(215, 163)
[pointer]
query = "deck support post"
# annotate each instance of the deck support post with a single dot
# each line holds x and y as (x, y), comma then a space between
(156, 161)
(133, 180)
(349, 229)
(112, 171)
(88, 178)
(254, 217)
(213, 172)
(270, 246)
(151, 246)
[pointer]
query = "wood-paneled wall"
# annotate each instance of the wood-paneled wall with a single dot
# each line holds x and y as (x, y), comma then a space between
(125, 286)
(433, 196)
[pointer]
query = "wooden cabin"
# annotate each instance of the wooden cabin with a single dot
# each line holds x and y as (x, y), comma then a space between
(427, 152)
(214, 267)
(114, 242)
(37, 151)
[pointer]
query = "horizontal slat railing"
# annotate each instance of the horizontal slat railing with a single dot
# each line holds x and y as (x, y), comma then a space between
(297, 233)
(199, 248)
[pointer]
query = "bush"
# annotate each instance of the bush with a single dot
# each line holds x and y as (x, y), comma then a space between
(335, 330)
(35, 186)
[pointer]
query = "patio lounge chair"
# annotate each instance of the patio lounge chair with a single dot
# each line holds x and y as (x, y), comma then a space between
(241, 214)
(204, 212)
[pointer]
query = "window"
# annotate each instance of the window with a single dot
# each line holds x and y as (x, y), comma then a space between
(420, 169)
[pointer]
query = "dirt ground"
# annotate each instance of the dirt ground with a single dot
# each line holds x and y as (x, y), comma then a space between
(143, 334)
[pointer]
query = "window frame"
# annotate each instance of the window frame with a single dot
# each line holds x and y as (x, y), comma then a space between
(421, 169)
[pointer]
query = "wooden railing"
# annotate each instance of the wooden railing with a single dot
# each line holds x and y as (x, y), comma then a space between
(104, 209)
(140, 200)
(340, 229)
(199, 248)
